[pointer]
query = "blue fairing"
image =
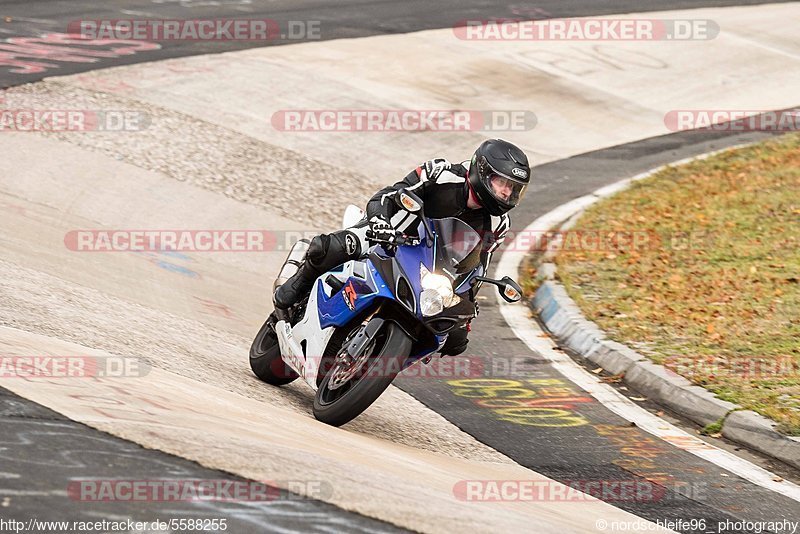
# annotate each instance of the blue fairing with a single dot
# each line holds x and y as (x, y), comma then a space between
(409, 259)
(335, 311)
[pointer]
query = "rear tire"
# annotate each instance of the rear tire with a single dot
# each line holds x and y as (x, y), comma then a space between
(388, 357)
(266, 361)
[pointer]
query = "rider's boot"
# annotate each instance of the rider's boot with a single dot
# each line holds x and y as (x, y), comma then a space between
(296, 287)
(325, 252)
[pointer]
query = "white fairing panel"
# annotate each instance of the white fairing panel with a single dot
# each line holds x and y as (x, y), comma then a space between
(291, 352)
(309, 333)
(316, 339)
(352, 215)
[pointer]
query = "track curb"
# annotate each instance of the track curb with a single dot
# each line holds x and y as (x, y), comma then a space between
(565, 322)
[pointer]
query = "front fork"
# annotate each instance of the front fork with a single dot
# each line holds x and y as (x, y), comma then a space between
(369, 328)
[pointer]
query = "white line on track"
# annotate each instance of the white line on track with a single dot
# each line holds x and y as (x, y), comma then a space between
(33, 493)
(517, 317)
(753, 42)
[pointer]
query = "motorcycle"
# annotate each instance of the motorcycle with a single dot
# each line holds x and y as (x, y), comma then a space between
(369, 319)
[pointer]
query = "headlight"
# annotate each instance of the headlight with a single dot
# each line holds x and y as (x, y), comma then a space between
(437, 292)
(430, 302)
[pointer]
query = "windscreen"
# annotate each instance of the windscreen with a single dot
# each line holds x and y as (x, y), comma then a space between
(457, 246)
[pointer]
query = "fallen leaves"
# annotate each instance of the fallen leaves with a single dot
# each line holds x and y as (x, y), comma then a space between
(734, 296)
(614, 379)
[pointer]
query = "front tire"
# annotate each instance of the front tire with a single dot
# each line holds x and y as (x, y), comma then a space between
(343, 404)
(266, 361)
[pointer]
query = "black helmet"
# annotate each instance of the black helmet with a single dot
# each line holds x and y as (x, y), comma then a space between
(499, 175)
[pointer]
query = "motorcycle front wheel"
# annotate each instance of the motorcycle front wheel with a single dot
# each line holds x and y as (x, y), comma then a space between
(350, 385)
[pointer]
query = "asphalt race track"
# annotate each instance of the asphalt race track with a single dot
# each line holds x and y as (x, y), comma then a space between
(338, 20)
(42, 451)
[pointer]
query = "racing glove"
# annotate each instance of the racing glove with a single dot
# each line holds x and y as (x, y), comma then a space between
(380, 231)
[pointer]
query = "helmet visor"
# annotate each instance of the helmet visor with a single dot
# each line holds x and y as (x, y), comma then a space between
(505, 189)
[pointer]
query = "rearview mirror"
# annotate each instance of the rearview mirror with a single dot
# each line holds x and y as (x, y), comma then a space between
(511, 292)
(508, 288)
(408, 201)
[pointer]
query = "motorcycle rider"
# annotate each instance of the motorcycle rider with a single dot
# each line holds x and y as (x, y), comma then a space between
(480, 192)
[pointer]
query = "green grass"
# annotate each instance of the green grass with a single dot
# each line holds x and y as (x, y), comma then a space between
(713, 429)
(714, 293)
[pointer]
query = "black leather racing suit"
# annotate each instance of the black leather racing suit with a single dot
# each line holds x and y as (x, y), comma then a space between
(443, 188)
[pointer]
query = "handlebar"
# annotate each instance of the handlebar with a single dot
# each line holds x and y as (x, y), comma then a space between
(399, 239)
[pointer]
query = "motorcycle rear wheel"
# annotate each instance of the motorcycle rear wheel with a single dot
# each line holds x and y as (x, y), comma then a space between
(266, 361)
